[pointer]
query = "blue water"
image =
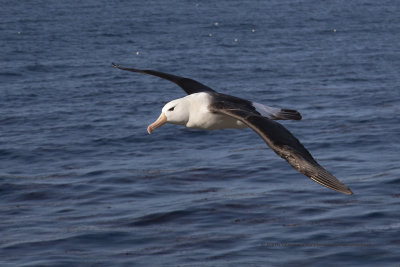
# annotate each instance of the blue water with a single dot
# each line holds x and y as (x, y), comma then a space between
(83, 184)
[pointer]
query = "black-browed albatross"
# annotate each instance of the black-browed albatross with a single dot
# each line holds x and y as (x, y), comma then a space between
(204, 108)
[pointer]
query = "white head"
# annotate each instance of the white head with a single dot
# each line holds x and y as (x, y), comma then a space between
(175, 112)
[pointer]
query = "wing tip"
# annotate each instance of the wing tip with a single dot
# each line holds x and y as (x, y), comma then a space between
(341, 188)
(347, 191)
(117, 66)
(335, 185)
(324, 178)
(127, 69)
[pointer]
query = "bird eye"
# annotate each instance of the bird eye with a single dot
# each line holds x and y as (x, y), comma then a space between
(171, 109)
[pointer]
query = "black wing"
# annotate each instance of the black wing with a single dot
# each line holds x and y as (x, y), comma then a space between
(279, 139)
(188, 85)
(243, 104)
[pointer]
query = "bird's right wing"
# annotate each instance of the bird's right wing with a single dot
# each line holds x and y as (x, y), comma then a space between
(188, 85)
(279, 139)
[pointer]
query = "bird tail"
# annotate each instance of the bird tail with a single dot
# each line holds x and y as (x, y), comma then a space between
(276, 113)
(287, 114)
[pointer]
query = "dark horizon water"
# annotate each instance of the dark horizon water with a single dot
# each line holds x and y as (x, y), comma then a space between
(83, 184)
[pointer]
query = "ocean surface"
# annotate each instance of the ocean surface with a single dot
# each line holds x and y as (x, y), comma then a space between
(83, 184)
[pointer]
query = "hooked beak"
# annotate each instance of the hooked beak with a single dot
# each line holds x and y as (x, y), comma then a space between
(159, 122)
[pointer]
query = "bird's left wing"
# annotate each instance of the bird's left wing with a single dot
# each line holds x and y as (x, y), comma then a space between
(279, 139)
(188, 85)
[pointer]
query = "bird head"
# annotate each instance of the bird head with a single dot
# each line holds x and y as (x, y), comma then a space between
(175, 112)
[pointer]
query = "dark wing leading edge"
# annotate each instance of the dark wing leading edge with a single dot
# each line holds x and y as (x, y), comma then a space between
(279, 139)
(188, 85)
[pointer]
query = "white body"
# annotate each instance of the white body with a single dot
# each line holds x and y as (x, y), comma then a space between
(200, 117)
(192, 111)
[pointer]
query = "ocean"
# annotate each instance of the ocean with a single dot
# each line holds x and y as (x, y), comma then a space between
(83, 184)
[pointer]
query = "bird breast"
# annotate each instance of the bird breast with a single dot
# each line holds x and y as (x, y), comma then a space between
(201, 117)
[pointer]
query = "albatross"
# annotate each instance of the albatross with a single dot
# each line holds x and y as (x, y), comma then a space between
(204, 108)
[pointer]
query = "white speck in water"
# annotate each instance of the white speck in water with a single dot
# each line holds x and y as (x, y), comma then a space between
(236, 40)
(19, 32)
(137, 53)
(210, 34)
(253, 30)
(334, 30)
(216, 24)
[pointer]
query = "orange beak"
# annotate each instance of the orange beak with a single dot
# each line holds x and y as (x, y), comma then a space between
(159, 122)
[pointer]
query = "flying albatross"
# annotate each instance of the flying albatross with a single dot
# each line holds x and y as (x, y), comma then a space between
(204, 108)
